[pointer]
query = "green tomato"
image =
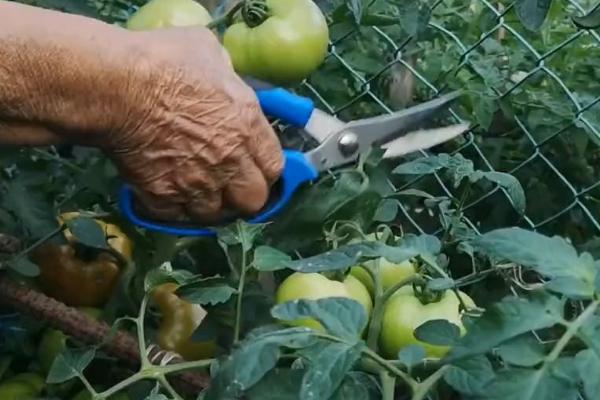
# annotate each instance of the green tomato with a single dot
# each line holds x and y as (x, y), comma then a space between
(404, 312)
(313, 286)
(285, 48)
(25, 386)
(168, 13)
(53, 343)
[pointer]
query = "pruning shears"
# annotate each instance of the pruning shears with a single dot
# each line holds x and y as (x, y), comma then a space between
(340, 143)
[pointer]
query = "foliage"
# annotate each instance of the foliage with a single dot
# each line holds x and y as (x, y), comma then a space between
(506, 214)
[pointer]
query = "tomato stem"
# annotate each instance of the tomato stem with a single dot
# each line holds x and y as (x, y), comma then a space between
(228, 17)
(255, 12)
(388, 385)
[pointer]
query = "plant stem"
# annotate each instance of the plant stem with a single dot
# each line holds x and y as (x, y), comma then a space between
(390, 368)
(423, 388)
(172, 368)
(165, 383)
(145, 363)
(41, 241)
(227, 18)
(571, 331)
(121, 385)
(388, 385)
(239, 300)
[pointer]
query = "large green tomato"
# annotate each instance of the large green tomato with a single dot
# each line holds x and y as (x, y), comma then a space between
(168, 13)
(404, 312)
(53, 343)
(25, 386)
(313, 286)
(285, 48)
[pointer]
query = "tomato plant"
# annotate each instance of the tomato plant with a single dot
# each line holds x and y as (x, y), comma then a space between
(411, 278)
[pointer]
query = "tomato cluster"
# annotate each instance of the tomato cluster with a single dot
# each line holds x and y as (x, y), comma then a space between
(281, 41)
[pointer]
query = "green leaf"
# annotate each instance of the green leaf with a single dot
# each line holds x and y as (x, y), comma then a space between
(87, 232)
(551, 257)
(30, 207)
(387, 210)
(353, 254)
(469, 376)
(529, 384)
(438, 332)
(357, 8)
(511, 317)
(208, 291)
(24, 266)
(357, 386)
(164, 274)
(588, 365)
(590, 21)
(511, 185)
(340, 316)
(278, 384)
(70, 364)
(523, 351)
(411, 355)
(240, 232)
(589, 333)
(459, 167)
(532, 13)
(328, 368)
(270, 259)
(414, 16)
(252, 359)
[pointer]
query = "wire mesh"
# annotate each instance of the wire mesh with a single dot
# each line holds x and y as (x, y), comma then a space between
(553, 158)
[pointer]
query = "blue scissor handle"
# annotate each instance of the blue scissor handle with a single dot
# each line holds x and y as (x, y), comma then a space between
(297, 170)
(286, 106)
(276, 102)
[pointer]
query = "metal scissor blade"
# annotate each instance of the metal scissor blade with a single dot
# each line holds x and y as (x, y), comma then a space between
(347, 143)
(384, 128)
(422, 139)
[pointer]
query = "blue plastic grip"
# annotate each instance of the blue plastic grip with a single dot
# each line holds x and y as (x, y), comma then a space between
(297, 170)
(286, 106)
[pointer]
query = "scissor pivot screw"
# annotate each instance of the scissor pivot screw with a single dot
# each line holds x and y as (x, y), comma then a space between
(348, 144)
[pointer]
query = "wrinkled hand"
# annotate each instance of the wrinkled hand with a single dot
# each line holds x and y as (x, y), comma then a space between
(165, 106)
(202, 144)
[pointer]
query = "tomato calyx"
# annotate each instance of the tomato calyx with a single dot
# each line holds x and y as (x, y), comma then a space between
(255, 12)
(425, 295)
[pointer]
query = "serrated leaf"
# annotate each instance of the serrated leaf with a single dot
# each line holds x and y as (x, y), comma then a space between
(352, 254)
(457, 165)
(552, 257)
(209, 291)
(327, 369)
(529, 384)
(589, 333)
(411, 355)
(387, 210)
(522, 351)
(24, 266)
(590, 21)
(69, 364)
(340, 316)
(511, 185)
(270, 259)
(469, 376)
(414, 16)
(252, 359)
(87, 232)
(532, 13)
(439, 332)
(506, 319)
(588, 365)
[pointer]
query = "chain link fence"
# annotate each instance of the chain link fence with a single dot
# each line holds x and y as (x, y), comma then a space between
(537, 92)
